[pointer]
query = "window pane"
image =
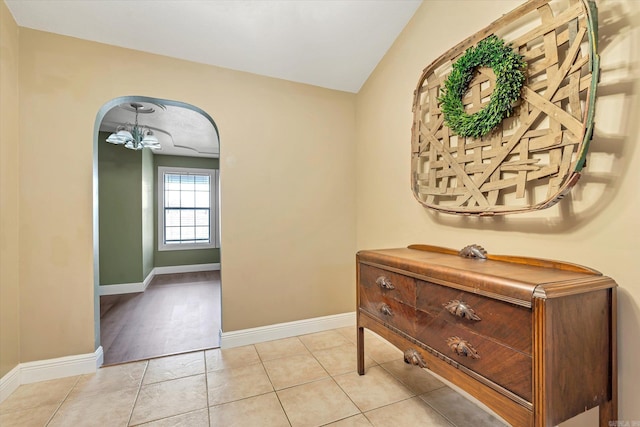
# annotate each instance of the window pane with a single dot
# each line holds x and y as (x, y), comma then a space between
(172, 233)
(187, 183)
(202, 199)
(187, 199)
(202, 183)
(202, 217)
(171, 181)
(172, 199)
(188, 233)
(202, 233)
(172, 217)
(187, 217)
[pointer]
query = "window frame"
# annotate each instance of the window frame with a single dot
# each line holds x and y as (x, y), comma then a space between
(214, 241)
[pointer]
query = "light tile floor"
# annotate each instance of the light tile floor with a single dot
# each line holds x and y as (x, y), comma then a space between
(309, 380)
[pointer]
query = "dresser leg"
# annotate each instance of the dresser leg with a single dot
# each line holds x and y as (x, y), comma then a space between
(609, 410)
(360, 354)
(609, 413)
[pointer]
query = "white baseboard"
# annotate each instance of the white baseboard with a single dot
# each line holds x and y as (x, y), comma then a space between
(44, 370)
(130, 288)
(122, 288)
(186, 268)
(126, 288)
(9, 383)
(286, 330)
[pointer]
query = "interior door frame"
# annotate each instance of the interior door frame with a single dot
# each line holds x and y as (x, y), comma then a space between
(96, 218)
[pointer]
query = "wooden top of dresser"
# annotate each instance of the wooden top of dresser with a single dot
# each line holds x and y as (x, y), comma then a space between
(513, 279)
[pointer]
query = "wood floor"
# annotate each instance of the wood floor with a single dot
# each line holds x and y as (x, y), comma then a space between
(176, 314)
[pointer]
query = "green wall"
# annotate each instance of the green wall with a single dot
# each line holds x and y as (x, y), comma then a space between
(120, 210)
(183, 257)
(186, 162)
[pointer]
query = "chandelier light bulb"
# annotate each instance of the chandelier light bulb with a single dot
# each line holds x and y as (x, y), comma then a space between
(133, 136)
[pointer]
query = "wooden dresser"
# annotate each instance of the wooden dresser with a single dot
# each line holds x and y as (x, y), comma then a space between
(534, 340)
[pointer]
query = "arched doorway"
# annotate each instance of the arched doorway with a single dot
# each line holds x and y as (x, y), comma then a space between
(156, 172)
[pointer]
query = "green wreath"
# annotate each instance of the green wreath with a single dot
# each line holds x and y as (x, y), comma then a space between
(508, 67)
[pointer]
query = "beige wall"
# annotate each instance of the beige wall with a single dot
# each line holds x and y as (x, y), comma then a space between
(597, 225)
(9, 304)
(287, 186)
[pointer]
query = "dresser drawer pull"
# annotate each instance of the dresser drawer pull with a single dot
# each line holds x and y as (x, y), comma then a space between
(412, 357)
(462, 347)
(461, 309)
(473, 251)
(385, 282)
(386, 310)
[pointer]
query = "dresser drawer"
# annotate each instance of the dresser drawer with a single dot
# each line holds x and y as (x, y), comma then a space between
(392, 285)
(388, 310)
(507, 323)
(504, 366)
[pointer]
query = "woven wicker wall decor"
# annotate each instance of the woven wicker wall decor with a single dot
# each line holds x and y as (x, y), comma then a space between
(532, 158)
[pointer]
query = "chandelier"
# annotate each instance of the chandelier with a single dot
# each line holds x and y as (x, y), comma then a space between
(134, 136)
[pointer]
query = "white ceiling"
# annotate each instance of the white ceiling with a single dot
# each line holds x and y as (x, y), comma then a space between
(330, 43)
(180, 131)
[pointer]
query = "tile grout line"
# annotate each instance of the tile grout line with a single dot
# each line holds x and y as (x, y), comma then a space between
(274, 391)
(231, 401)
(181, 413)
(62, 401)
(436, 409)
(271, 382)
(414, 394)
(423, 394)
(282, 407)
(336, 383)
(206, 383)
(332, 377)
(376, 363)
(316, 359)
(135, 401)
(347, 394)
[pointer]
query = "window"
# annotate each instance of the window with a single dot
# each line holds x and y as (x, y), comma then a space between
(187, 208)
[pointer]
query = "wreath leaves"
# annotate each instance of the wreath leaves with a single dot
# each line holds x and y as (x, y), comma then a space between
(508, 67)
